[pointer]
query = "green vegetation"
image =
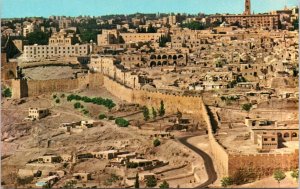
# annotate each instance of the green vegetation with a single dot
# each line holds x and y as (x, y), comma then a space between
(226, 181)
(137, 183)
(151, 182)
(70, 184)
(279, 175)
(77, 105)
(111, 118)
(156, 142)
(295, 174)
(102, 116)
(57, 101)
(132, 165)
(146, 113)
(6, 92)
(165, 184)
(25, 180)
(85, 112)
(243, 176)
(113, 178)
(38, 37)
(108, 103)
(194, 26)
(163, 40)
(296, 24)
(154, 113)
(121, 122)
(62, 95)
(247, 107)
(162, 110)
(54, 96)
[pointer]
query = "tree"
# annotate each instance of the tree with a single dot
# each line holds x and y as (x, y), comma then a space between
(295, 174)
(137, 183)
(77, 105)
(146, 113)
(6, 92)
(154, 113)
(38, 37)
(102, 116)
(57, 100)
(165, 184)
(151, 182)
(247, 107)
(279, 175)
(151, 29)
(121, 122)
(226, 181)
(156, 143)
(162, 110)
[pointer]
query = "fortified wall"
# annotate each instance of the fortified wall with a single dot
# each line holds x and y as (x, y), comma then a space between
(24, 88)
(227, 164)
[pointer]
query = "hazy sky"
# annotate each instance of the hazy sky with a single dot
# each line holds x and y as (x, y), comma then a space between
(22, 8)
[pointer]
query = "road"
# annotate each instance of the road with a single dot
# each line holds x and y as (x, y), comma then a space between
(208, 163)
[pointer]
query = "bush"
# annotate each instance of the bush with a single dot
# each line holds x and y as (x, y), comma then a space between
(77, 105)
(247, 107)
(57, 100)
(226, 181)
(151, 182)
(295, 174)
(243, 176)
(156, 143)
(108, 103)
(54, 96)
(6, 92)
(102, 116)
(165, 184)
(85, 112)
(25, 180)
(111, 118)
(62, 95)
(132, 165)
(121, 122)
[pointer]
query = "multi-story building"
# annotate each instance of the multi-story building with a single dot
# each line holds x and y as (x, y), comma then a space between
(29, 29)
(270, 21)
(50, 51)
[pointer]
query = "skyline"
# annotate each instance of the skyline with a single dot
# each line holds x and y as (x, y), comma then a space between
(23, 8)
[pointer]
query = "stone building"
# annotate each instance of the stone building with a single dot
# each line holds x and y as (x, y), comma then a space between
(270, 21)
(50, 51)
(37, 113)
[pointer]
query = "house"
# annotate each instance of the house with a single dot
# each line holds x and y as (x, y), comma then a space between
(82, 176)
(37, 113)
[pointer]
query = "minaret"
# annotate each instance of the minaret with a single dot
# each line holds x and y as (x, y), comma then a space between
(247, 7)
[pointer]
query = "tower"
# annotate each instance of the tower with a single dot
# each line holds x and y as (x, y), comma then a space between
(247, 7)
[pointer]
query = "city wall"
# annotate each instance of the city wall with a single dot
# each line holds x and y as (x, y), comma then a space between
(24, 88)
(226, 164)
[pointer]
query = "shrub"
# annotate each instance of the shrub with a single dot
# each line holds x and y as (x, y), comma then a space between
(85, 112)
(247, 107)
(25, 180)
(226, 181)
(102, 116)
(54, 96)
(146, 113)
(6, 92)
(121, 122)
(165, 184)
(62, 95)
(156, 143)
(279, 175)
(162, 110)
(295, 174)
(77, 105)
(151, 182)
(57, 100)
(132, 165)
(243, 176)
(111, 118)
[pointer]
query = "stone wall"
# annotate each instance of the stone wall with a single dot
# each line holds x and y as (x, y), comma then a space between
(263, 164)
(24, 88)
(172, 103)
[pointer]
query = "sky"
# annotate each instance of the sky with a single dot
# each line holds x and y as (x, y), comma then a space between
(46, 8)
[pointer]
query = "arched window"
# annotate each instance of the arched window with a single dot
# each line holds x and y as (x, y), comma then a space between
(286, 135)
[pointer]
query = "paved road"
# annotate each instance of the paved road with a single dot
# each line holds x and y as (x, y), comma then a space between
(208, 163)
